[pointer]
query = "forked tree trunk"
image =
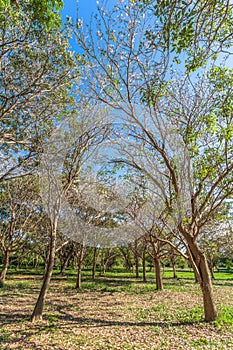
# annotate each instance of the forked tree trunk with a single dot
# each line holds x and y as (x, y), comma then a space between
(127, 261)
(207, 290)
(6, 258)
(65, 263)
(202, 274)
(38, 310)
(158, 276)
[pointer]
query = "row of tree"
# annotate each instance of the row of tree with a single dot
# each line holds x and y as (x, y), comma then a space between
(25, 243)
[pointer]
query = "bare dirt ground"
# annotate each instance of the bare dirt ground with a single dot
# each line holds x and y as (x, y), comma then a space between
(117, 316)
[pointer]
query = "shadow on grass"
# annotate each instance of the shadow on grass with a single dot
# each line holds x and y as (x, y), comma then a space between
(68, 319)
(222, 283)
(13, 318)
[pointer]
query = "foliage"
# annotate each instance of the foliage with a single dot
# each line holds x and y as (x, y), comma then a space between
(37, 72)
(44, 12)
(197, 29)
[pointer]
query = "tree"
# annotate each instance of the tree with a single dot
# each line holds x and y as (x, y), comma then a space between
(44, 12)
(193, 31)
(64, 161)
(181, 119)
(37, 73)
(20, 214)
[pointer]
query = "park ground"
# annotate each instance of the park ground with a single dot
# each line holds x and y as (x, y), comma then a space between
(115, 311)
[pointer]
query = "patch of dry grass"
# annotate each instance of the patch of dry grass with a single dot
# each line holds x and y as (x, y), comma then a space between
(130, 316)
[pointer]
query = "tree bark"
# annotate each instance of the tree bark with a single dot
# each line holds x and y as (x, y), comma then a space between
(156, 261)
(207, 290)
(211, 267)
(158, 276)
(127, 262)
(201, 269)
(136, 259)
(38, 310)
(80, 265)
(6, 258)
(174, 270)
(94, 262)
(65, 263)
(144, 262)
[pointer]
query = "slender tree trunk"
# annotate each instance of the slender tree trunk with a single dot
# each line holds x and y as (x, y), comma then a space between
(36, 261)
(80, 265)
(65, 263)
(102, 265)
(144, 262)
(46, 263)
(174, 269)
(136, 259)
(6, 258)
(75, 262)
(94, 262)
(38, 310)
(156, 261)
(127, 262)
(211, 267)
(158, 276)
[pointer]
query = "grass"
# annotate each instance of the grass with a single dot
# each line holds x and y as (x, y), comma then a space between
(115, 311)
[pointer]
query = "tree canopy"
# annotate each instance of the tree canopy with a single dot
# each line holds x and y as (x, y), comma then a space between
(44, 12)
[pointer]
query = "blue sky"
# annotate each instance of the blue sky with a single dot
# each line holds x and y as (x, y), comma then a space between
(86, 7)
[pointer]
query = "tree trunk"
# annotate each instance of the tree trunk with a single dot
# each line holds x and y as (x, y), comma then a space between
(211, 267)
(156, 261)
(80, 263)
(102, 265)
(158, 276)
(65, 263)
(174, 270)
(36, 261)
(207, 290)
(38, 310)
(127, 262)
(144, 262)
(202, 274)
(6, 258)
(94, 262)
(75, 262)
(136, 259)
